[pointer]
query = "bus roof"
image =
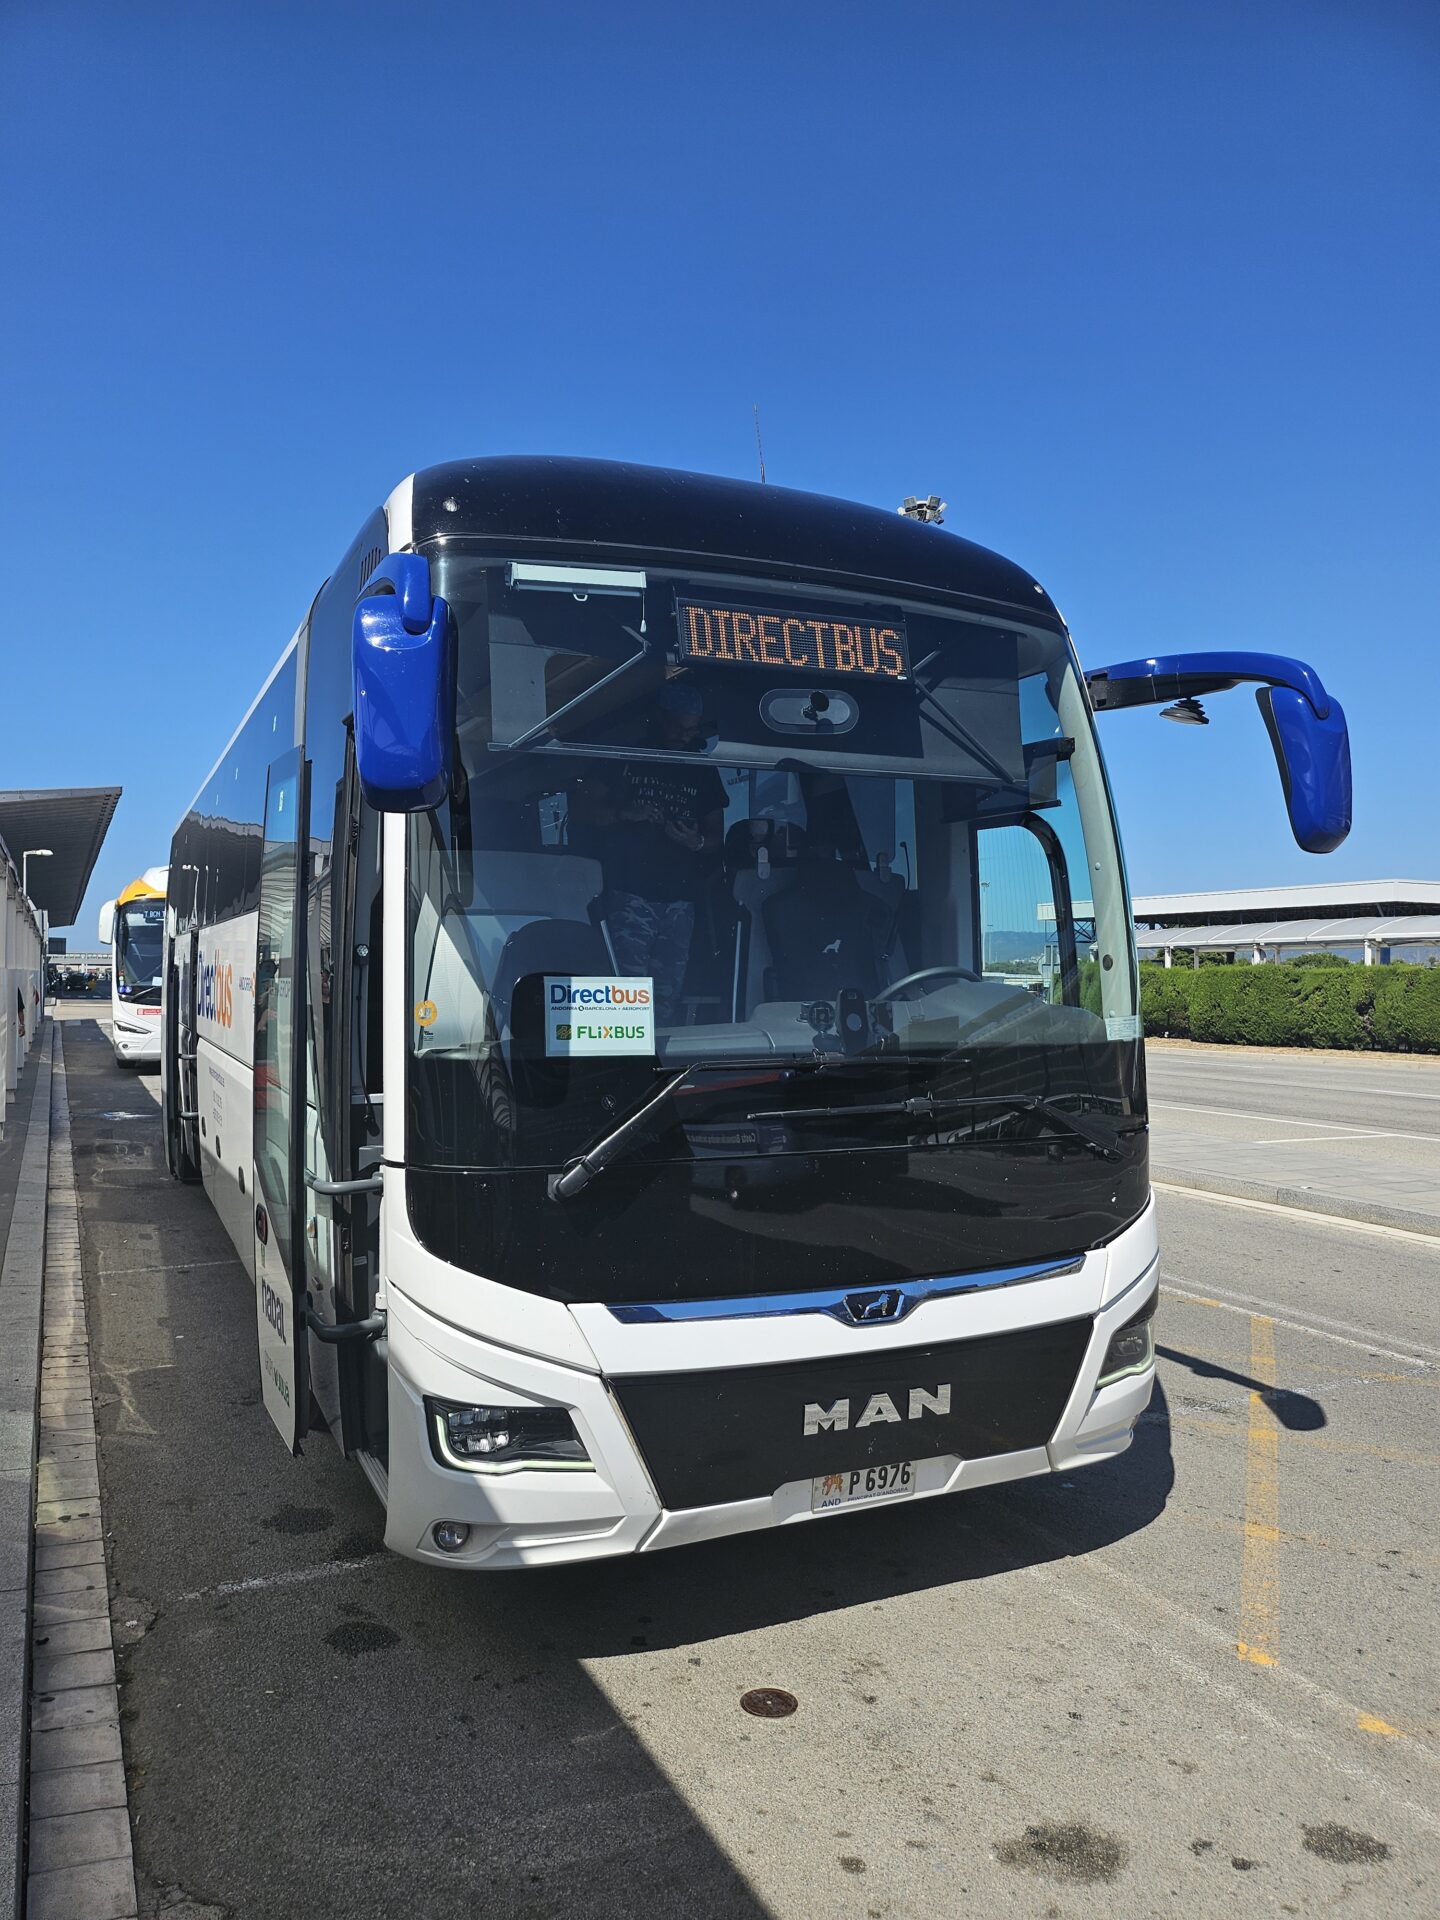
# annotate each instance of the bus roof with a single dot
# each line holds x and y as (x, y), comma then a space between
(598, 506)
(150, 886)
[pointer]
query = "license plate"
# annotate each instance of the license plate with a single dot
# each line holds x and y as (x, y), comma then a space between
(831, 1490)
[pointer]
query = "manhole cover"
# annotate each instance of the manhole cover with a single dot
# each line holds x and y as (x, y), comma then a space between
(769, 1703)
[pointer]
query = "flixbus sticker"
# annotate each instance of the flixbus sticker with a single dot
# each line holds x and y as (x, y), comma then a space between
(587, 1014)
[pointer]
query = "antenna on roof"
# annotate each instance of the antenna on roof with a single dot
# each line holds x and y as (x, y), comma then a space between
(759, 444)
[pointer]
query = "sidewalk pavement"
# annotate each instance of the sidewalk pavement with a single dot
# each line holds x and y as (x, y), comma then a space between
(79, 1862)
(24, 1173)
(1386, 1178)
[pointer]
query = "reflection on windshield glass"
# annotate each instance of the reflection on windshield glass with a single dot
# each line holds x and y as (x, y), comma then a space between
(653, 857)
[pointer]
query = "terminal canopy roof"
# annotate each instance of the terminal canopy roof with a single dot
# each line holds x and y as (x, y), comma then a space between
(72, 822)
(1402, 930)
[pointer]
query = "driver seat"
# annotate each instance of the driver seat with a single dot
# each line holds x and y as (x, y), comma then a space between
(824, 934)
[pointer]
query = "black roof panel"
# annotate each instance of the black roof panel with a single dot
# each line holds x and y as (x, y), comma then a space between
(608, 507)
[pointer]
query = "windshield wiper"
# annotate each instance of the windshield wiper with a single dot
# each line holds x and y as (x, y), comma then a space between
(1099, 1140)
(577, 1174)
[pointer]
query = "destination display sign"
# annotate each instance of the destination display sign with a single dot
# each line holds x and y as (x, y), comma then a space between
(719, 633)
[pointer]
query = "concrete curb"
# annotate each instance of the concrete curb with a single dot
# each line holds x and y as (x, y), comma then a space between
(1337, 1206)
(1240, 1050)
(79, 1859)
(21, 1294)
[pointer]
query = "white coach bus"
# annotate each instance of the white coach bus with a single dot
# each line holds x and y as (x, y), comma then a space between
(650, 991)
(133, 927)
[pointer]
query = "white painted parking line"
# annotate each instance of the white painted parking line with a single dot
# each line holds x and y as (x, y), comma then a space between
(292, 1577)
(1304, 1083)
(1290, 1120)
(1315, 1139)
(1321, 1328)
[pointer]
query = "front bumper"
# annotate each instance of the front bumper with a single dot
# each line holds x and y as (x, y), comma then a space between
(535, 1516)
(134, 1042)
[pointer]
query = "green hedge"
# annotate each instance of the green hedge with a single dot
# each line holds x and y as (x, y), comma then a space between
(1394, 1008)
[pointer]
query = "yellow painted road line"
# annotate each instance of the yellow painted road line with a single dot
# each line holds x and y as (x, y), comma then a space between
(1260, 1556)
(1072, 1575)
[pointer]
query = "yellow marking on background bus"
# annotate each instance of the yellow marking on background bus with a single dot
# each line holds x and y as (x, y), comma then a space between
(1260, 1559)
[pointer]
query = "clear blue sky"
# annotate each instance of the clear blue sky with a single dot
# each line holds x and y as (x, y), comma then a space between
(1148, 292)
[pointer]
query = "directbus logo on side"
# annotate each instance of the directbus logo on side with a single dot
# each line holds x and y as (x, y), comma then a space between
(216, 998)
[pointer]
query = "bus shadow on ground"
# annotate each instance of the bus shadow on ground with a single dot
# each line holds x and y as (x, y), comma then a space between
(753, 1580)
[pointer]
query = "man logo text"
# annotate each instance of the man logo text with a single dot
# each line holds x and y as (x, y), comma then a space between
(879, 1408)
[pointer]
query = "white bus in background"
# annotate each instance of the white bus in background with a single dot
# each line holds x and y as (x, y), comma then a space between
(133, 927)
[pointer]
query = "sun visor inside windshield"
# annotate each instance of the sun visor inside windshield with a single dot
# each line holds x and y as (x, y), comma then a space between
(838, 683)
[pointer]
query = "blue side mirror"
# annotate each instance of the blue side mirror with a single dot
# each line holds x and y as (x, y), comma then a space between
(404, 659)
(1306, 726)
(1313, 755)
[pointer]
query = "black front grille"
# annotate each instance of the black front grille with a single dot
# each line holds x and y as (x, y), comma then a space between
(739, 1433)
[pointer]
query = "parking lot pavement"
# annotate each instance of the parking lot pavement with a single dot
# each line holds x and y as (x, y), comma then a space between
(1200, 1675)
(1353, 1134)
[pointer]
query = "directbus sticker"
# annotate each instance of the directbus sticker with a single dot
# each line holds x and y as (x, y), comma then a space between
(592, 1014)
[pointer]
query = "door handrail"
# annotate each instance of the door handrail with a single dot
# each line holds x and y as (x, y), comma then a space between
(372, 1183)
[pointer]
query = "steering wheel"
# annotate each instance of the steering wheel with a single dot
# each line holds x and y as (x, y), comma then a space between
(926, 973)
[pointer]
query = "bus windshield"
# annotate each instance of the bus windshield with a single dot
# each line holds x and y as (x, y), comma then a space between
(139, 929)
(703, 821)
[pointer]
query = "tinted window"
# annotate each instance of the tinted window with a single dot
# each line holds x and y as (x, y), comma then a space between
(222, 835)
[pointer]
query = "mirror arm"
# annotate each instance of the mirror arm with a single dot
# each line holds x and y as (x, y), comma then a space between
(1174, 676)
(1306, 727)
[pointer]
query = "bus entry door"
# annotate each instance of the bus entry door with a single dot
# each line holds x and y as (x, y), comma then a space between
(280, 1106)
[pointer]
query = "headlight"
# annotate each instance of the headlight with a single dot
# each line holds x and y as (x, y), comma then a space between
(490, 1439)
(1132, 1349)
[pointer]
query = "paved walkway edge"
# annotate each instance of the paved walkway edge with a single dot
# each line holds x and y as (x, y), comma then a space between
(1337, 1205)
(21, 1291)
(79, 1860)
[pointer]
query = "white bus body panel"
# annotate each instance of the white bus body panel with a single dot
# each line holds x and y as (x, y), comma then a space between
(559, 1356)
(224, 1075)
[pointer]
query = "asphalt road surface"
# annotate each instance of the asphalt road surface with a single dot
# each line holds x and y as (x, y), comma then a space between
(1358, 1127)
(1201, 1675)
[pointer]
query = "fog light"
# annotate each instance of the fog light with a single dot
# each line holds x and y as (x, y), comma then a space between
(1132, 1349)
(450, 1535)
(489, 1439)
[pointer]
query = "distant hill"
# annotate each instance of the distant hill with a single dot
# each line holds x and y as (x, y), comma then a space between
(1003, 949)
